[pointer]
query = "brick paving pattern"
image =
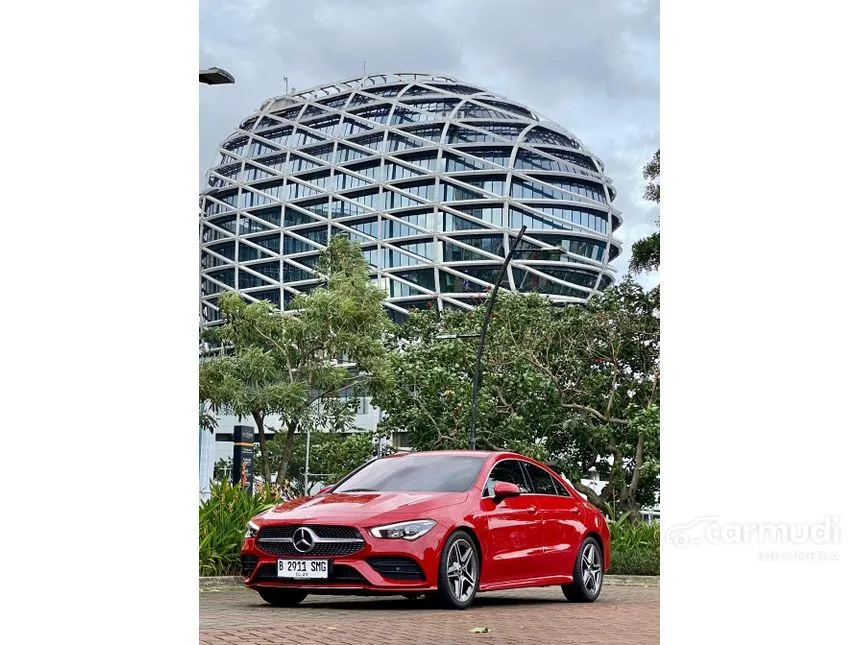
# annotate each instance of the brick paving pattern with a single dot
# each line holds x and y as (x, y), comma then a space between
(623, 614)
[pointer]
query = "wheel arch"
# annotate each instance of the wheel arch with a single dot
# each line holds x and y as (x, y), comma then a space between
(604, 552)
(472, 533)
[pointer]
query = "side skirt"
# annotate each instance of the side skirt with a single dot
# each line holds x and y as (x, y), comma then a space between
(547, 581)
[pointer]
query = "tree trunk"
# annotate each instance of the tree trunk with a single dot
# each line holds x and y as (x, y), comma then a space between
(264, 448)
(630, 492)
(283, 471)
(593, 498)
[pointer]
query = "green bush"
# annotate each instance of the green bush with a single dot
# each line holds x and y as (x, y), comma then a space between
(635, 563)
(223, 518)
(635, 547)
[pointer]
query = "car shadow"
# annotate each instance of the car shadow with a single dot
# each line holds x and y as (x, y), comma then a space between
(394, 603)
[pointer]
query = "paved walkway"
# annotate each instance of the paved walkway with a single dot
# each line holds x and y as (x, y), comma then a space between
(529, 616)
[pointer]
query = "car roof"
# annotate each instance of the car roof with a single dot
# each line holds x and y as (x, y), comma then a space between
(500, 454)
(465, 453)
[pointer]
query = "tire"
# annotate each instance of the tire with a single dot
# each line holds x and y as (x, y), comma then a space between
(587, 573)
(458, 585)
(282, 597)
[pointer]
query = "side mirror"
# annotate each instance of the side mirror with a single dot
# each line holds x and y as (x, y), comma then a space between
(325, 489)
(503, 490)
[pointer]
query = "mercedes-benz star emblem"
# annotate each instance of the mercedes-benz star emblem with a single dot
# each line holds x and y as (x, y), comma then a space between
(303, 540)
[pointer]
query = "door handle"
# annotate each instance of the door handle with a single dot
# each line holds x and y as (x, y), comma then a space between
(575, 510)
(532, 509)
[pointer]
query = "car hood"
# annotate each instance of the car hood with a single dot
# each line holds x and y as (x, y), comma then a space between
(356, 508)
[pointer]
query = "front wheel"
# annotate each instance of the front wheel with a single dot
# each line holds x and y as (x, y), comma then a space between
(282, 597)
(587, 573)
(459, 571)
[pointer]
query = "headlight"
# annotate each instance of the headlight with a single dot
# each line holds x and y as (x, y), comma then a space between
(405, 530)
(252, 530)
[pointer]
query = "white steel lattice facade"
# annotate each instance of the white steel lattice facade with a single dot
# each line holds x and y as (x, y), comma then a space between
(430, 175)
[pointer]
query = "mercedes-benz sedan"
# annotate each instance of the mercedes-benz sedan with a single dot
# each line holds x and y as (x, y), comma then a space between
(439, 524)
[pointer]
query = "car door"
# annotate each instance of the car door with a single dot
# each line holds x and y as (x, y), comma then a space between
(514, 528)
(562, 521)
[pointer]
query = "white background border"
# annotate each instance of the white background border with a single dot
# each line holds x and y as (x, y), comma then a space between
(759, 144)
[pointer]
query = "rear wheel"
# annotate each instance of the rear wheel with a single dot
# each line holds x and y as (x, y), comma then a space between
(459, 571)
(282, 597)
(587, 573)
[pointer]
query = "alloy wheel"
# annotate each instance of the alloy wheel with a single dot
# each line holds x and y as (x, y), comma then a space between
(591, 568)
(462, 570)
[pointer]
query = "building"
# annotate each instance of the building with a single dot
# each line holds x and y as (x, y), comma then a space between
(431, 175)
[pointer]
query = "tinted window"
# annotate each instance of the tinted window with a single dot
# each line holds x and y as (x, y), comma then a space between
(541, 480)
(559, 487)
(416, 473)
(507, 471)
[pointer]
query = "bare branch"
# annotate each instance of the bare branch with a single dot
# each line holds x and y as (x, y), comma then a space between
(591, 496)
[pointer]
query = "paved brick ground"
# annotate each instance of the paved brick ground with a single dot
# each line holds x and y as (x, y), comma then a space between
(622, 615)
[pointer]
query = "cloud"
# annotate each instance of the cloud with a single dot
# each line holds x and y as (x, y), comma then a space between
(592, 67)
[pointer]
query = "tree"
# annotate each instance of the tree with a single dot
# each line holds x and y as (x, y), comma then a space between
(332, 455)
(575, 386)
(296, 364)
(246, 379)
(603, 361)
(432, 374)
(646, 252)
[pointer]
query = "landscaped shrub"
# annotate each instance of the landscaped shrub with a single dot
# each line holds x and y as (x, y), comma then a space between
(223, 518)
(635, 547)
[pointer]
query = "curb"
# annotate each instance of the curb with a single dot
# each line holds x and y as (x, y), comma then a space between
(631, 581)
(211, 582)
(208, 582)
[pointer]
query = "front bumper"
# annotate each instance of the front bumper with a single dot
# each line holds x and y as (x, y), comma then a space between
(384, 566)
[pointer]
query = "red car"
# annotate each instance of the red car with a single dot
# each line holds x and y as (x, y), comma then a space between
(442, 524)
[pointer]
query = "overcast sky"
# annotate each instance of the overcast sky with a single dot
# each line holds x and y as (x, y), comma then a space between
(591, 66)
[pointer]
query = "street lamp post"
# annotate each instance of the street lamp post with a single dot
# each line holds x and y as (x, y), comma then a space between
(476, 378)
(307, 457)
(206, 454)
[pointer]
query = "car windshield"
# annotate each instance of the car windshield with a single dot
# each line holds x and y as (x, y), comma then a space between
(415, 473)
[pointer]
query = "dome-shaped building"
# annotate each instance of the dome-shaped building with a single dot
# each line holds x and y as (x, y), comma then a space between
(432, 176)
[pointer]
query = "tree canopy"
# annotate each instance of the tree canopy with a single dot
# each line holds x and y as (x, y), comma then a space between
(646, 252)
(575, 386)
(297, 364)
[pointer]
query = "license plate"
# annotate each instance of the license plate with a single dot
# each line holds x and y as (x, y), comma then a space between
(303, 569)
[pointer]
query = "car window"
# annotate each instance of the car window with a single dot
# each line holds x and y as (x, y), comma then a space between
(415, 473)
(508, 470)
(541, 480)
(559, 488)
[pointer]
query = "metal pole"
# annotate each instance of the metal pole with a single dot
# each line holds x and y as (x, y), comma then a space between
(307, 458)
(374, 411)
(477, 373)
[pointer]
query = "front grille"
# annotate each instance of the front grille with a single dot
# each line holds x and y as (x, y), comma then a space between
(248, 564)
(396, 568)
(282, 536)
(346, 532)
(329, 549)
(339, 573)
